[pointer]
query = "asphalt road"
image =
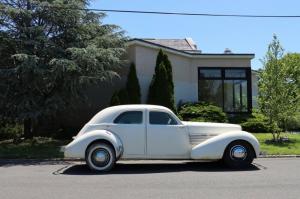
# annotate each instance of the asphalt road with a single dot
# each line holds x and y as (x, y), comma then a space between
(267, 178)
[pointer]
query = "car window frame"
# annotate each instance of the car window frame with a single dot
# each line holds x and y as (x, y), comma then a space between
(171, 115)
(142, 121)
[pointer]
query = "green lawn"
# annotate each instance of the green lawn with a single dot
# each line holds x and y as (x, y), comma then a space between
(290, 148)
(36, 148)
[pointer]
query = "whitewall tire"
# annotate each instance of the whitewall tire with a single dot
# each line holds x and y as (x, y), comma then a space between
(100, 157)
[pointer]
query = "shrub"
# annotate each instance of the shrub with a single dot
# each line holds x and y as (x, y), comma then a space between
(254, 125)
(293, 123)
(10, 131)
(202, 112)
(161, 89)
(133, 86)
(258, 123)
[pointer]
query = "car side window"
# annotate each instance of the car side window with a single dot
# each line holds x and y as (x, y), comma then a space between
(161, 118)
(130, 117)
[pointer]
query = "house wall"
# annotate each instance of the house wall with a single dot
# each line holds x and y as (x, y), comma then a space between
(185, 71)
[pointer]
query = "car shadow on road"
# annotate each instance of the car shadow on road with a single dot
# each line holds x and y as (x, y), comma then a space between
(142, 168)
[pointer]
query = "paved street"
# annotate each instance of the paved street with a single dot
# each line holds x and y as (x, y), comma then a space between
(268, 178)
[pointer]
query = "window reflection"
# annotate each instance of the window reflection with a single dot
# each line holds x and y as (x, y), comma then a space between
(211, 91)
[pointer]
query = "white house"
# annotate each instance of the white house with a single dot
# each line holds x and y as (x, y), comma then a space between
(221, 78)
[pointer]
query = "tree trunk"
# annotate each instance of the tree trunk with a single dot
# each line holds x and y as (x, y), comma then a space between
(28, 128)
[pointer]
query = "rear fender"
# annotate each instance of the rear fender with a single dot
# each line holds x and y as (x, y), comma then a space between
(213, 148)
(77, 148)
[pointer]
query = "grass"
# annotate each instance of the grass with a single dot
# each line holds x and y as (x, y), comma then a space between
(286, 148)
(36, 148)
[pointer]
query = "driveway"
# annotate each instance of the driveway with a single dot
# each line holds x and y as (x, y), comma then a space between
(267, 178)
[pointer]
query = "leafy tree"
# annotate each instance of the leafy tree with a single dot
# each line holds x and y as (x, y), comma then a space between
(277, 93)
(161, 89)
(50, 51)
(291, 66)
(133, 87)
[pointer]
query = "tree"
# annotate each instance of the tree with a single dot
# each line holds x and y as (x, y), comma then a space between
(161, 89)
(115, 100)
(51, 51)
(291, 66)
(131, 94)
(277, 94)
(133, 87)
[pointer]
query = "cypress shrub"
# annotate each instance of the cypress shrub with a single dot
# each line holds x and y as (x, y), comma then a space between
(133, 86)
(115, 100)
(131, 94)
(161, 89)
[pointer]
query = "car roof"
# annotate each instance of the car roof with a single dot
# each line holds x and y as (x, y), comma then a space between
(108, 114)
(138, 106)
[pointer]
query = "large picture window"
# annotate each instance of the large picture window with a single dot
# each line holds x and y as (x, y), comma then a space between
(229, 88)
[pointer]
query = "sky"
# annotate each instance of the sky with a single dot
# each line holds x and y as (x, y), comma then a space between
(212, 34)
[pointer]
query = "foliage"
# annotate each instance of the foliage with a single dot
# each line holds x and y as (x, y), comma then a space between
(10, 131)
(131, 94)
(278, 94)
(133, 87)
(254, 125)
(115, 100)
(37, 147)
(202, 112)
(161, 89)
(49, 53)
(293, 123)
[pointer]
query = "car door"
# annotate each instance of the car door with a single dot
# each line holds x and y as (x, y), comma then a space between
(130, 127)
(166, 137)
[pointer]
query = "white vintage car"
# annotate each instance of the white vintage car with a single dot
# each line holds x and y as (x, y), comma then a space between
(154, 132)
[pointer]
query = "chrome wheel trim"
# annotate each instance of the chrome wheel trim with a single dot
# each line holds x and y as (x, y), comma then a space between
(100, 157)
(238, 152)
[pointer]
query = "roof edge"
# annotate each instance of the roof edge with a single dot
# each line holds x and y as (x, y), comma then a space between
(189, 54)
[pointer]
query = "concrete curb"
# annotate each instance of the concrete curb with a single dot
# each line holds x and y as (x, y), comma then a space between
(279, 156)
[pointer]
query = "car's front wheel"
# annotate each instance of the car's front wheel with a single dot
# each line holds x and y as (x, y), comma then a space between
(238, 154)
(100, 157)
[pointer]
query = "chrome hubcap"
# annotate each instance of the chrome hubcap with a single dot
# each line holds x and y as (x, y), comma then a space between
(238, 152)
(100, 157)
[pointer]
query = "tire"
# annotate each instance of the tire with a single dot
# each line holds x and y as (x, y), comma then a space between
(100, 157)
(238, 155)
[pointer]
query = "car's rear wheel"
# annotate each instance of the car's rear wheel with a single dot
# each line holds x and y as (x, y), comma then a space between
(100, 157)
(238, 154)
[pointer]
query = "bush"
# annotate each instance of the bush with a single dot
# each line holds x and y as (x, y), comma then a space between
(254, 125)
(10, 131)
(257, 123)
(293, 123)
(202, 112)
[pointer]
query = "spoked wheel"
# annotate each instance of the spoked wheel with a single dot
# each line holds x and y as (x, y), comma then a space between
(238, 154)
(100, 157)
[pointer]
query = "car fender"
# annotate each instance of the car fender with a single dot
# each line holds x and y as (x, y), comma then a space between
(214, 148)
(77, 148)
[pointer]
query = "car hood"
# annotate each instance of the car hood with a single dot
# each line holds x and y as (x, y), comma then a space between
(209, 128)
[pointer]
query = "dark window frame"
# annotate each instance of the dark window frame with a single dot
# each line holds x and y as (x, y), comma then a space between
(119, 115)
(157, 111)
(223, 78)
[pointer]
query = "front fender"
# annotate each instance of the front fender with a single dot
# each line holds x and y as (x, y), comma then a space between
(77, 148)
(214, 148)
